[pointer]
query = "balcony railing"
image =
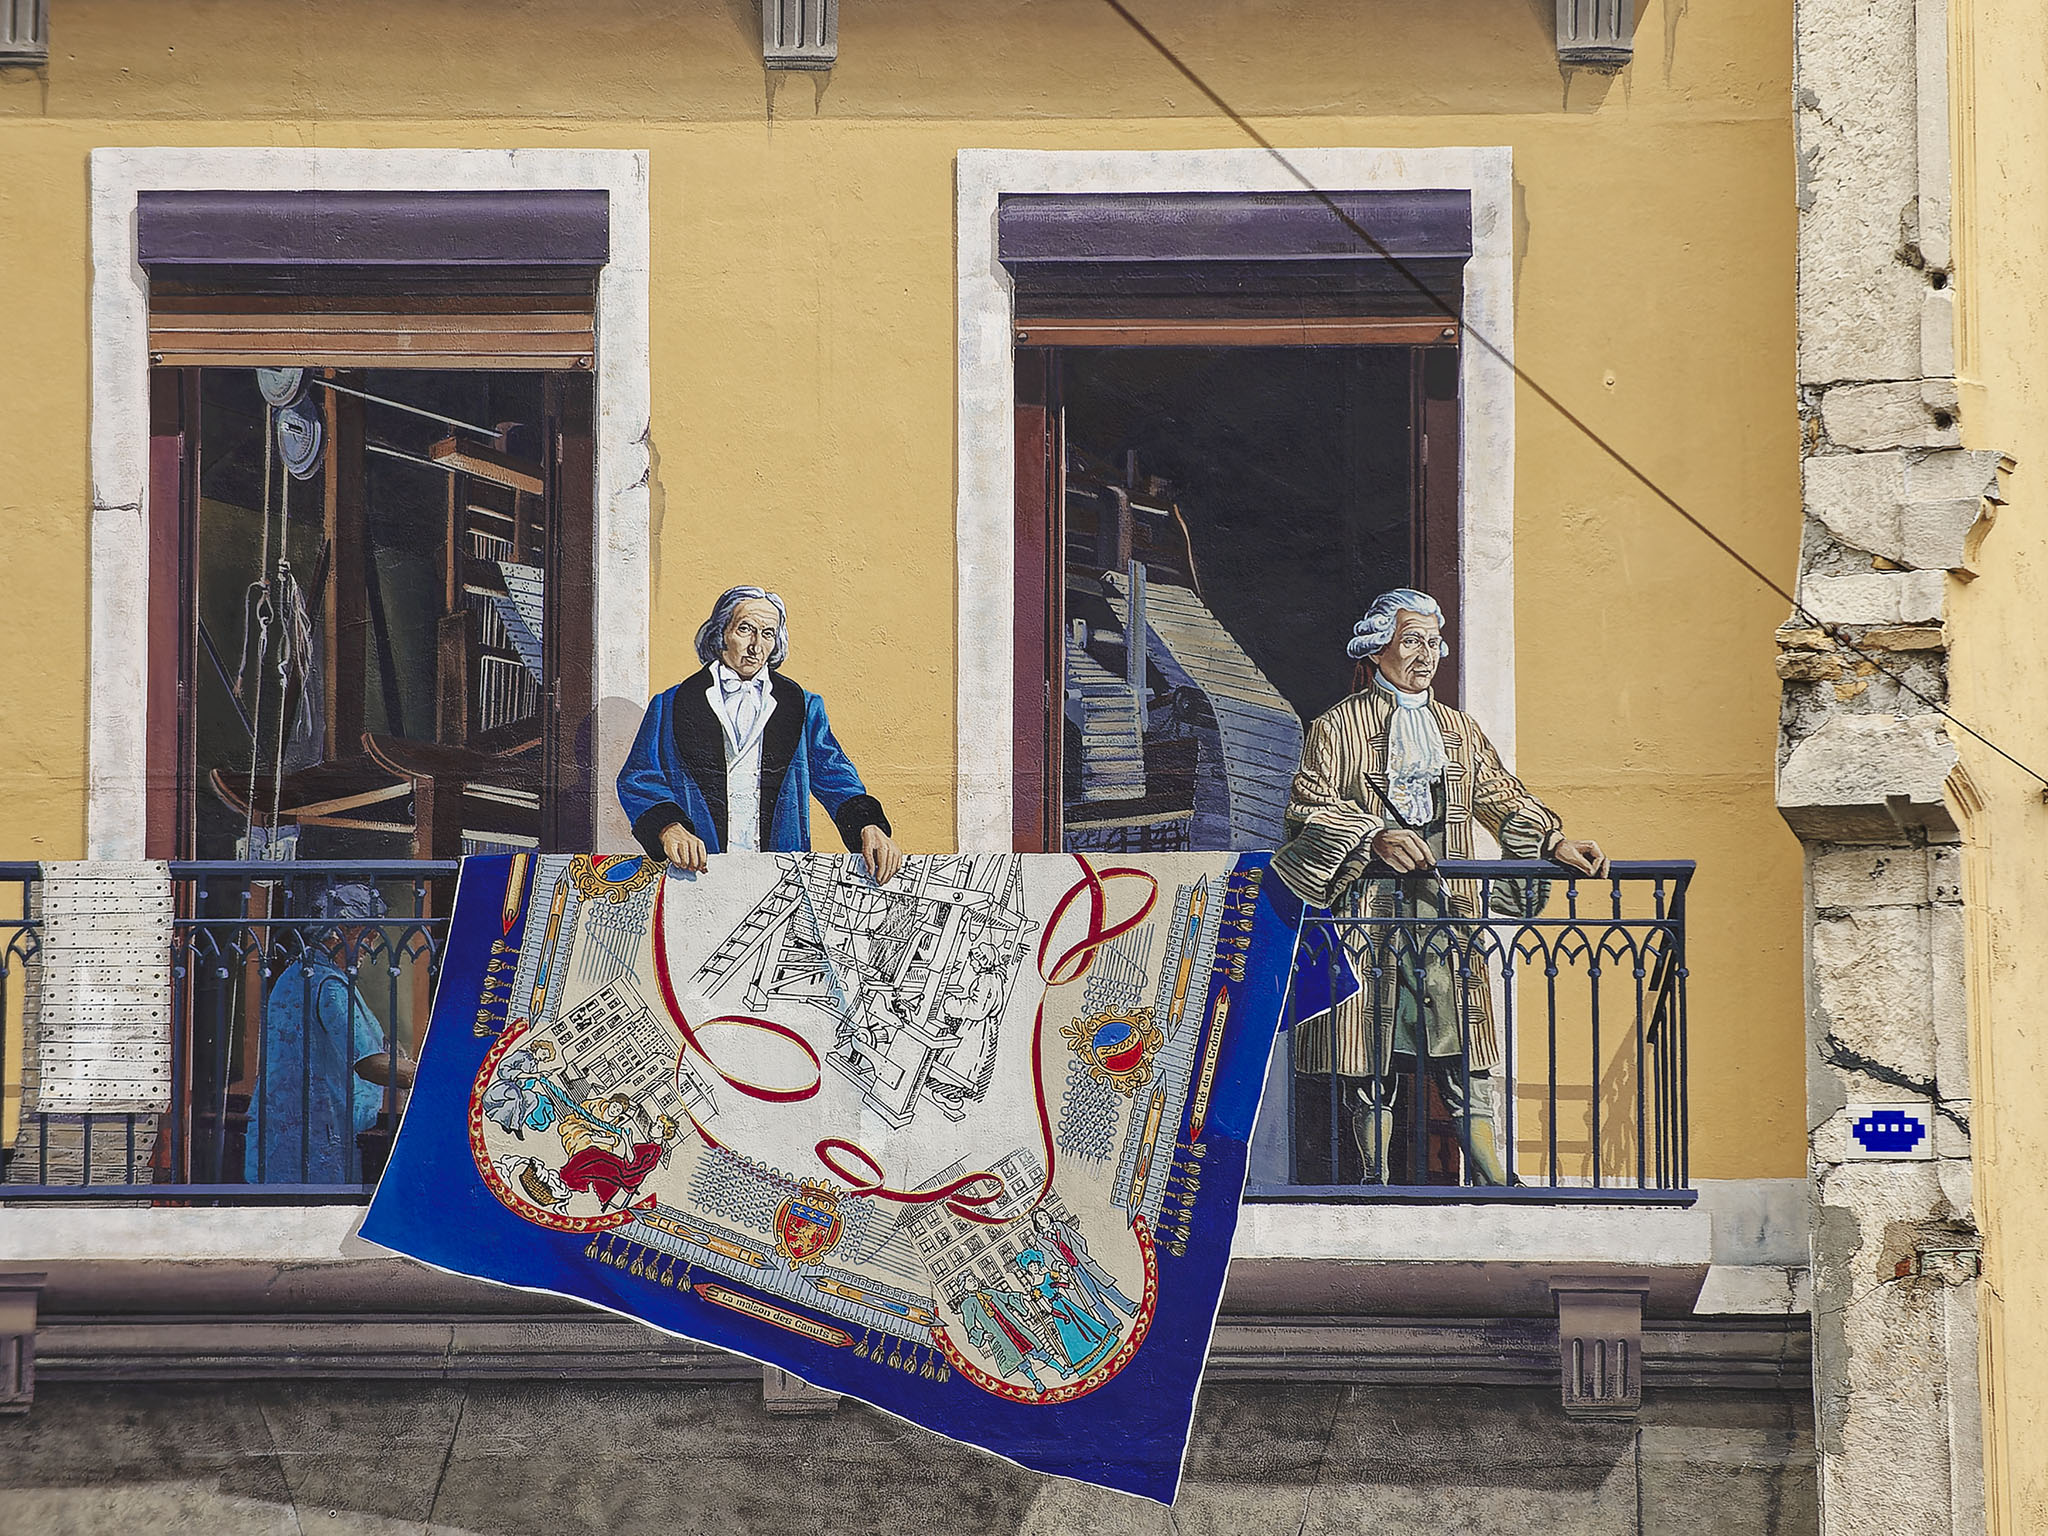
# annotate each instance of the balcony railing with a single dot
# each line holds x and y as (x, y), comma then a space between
(1536, 1018)
(1513, 1032)
(284, 978)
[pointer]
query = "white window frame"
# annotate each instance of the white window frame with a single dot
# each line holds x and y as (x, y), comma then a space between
(118, 716)
(986, 515)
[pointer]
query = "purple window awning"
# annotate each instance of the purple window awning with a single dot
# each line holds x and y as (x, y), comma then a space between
(196, 234)
(1039, 230)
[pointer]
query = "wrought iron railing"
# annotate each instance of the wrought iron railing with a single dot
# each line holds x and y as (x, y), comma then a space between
(1566, 1029)
(1504, 1030)
(298, 994)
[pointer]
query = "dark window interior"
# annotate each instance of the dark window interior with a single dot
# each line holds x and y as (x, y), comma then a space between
(1291, 468)
(1252, 499)
(404, 694)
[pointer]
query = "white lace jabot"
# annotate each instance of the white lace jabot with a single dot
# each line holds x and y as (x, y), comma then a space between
(1415, 754)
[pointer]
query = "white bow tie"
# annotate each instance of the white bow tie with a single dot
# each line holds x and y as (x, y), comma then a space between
(732, 683)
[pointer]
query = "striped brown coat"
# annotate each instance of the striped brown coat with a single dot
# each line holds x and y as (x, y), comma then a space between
(1332, 818)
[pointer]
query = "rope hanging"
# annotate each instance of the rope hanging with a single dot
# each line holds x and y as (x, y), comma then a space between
(276, 600)
(294, 609)
(258, 593)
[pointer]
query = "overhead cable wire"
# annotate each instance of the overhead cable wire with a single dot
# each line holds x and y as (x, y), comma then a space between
(1522, 377)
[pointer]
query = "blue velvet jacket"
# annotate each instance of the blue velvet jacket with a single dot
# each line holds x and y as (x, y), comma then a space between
(676, 772)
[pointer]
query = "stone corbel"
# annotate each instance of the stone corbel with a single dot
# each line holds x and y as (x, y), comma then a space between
(791, 1396)
(25, 33)
(1600, 1346)
(1596, 34)
(799, 34)
(1987, 513)
(19, 1294)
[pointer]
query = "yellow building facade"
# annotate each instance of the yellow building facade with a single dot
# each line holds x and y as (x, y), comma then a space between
(1995, 621)
(806, 372)
(803, 350)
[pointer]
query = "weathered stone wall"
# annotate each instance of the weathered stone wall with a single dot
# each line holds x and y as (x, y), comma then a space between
(526, 1459)
(1891, 500)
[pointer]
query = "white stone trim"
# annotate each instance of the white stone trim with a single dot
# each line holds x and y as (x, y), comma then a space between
(117, 743)
(986, 509)
(1417, 1232)
(285, 1234)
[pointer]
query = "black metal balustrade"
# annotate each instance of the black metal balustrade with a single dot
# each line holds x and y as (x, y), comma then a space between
(1583, 984)
(257, 951)
(1517, 1032)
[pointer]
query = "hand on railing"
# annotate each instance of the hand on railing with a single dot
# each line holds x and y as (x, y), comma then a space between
(1401, 850)
(1582, 854)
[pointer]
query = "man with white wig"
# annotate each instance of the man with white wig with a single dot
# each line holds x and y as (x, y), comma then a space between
(730, 758)
(1392, 779)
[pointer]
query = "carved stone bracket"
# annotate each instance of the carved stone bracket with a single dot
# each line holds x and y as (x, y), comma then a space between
(1596, 34)
(784, 1394)
(25, 32)
(18, 1296)
(1600, 1346)
(800, 34)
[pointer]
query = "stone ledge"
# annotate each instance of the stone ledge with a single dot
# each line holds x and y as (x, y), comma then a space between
(1419, 1233)
(283, 1236)
(1756, 1290)
(1915, 509)
(1350, 1259)
(1719, 1353)
(1869, 778)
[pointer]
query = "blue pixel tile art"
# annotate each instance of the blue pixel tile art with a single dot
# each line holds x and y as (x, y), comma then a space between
(1889, 1130)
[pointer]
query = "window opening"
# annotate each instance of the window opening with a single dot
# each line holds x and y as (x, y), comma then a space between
(375, 582)
(1237, 507)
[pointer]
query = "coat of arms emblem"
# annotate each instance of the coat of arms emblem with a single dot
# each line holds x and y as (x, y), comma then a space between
(1118, 1045)
(808, 1225)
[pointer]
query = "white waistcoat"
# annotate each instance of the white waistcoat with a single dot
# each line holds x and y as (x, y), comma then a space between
(743, 796)
(742, 773)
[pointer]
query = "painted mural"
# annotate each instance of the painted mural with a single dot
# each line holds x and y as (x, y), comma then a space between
(1392, 780)
(967, 1144)
(1221, 510)
(729, 759)
(378, 586)
(371, 621)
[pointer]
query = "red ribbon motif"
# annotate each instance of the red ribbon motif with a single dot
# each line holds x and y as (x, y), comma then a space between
(965, 1196)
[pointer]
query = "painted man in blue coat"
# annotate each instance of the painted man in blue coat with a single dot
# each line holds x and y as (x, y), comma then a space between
(728, 759)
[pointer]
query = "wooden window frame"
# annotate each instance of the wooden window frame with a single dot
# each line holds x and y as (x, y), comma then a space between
(464, 279)
(116, 702)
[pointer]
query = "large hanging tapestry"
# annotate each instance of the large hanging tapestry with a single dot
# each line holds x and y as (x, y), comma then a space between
(967, 1146)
